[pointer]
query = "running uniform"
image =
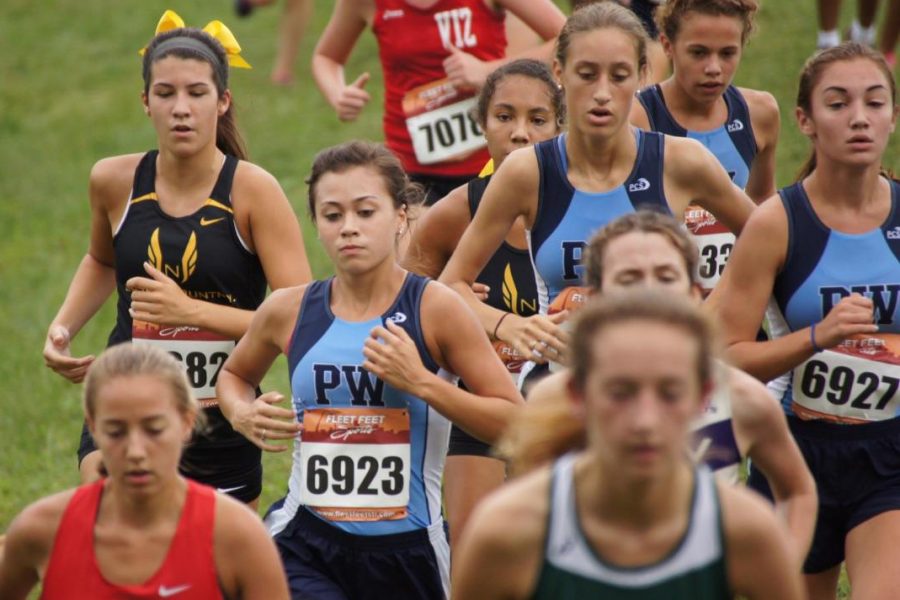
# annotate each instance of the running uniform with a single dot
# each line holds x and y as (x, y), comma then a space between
(572, 569)
(512, 289)
(734, 145)
(188, 571)
(428, 122)
(204, 253)
(842, 403)
(714, 442)
(362, 516)
(567, 218)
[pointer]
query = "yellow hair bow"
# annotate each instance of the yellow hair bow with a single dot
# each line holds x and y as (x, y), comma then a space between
(170, 20)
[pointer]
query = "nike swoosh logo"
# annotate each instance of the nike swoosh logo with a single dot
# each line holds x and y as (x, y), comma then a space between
(204, 221)
(166, 592)
(231, 489)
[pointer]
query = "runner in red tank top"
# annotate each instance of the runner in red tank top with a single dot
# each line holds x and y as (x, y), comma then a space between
(145, 531)
(434, 54)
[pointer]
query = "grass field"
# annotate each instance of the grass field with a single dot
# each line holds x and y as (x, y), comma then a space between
(69, 95)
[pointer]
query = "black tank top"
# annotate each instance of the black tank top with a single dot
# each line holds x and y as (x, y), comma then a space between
(204, 254)
(509, 272)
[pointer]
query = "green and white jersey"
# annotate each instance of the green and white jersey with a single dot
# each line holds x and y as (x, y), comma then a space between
(694, 570)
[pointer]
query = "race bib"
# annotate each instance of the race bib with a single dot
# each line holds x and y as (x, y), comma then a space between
(356, 463)
(440, 122)
(201, 353)
(715, 242)
(509, 356)
(855, 382)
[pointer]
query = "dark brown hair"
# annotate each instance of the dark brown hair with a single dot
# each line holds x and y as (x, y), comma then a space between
(526, 67)
(812, 72)
(603, 15)
(358, 153)
(643, 221)
(669, 14)
(228, 137)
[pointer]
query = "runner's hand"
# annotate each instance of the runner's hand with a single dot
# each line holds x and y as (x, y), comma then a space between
(539, 338)
(464, 70)
(58, 355)
(481, 291)
(853, 315)
(158, 299)
(352, 99)
(260, 422)
(391, 355)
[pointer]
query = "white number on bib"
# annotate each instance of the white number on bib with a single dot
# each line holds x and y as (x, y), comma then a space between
(356, 463)
(850, 384)
(202, 353)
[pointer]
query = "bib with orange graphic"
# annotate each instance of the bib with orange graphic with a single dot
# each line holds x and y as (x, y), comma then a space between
(440, 122)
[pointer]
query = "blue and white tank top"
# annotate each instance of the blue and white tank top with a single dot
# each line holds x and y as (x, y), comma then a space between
(734, 145)
(857, 381)
(567, 217)
(371, 457)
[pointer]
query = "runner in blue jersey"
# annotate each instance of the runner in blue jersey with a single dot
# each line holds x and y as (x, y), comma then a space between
(366, 351)
(824, 255)
(568, 187)
(629, 517)
(520, 104)
(705, 41)
(741, 418)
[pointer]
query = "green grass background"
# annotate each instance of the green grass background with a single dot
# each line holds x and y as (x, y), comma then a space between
(69, 95)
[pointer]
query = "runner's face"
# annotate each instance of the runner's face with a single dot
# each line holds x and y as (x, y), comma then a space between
(600, 77)
(705, 54)
(184, 105)
(852, 113)
(356, 219)
(640, 259)
(139, 431)
(520, 114)
(641, 395)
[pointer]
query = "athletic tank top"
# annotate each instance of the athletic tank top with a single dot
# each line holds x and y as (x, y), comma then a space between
(567, 218)
(188, 571)
(714, 443)
(202, 252)
(509, 275)
(857, 381)
(735, 146)
(371, 457)
(694, 570)
(428, 122)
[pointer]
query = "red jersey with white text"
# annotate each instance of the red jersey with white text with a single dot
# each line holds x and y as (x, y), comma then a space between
(188, 571)
(428, 122)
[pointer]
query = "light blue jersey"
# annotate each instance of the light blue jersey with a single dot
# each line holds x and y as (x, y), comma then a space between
(858, 380)
(371, 457)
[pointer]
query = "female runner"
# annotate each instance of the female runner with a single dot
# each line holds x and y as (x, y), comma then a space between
(188, 235)
(435, 54)
(629, 516)
(362, 516)
(145, 531)
(520, 104)
(825, 250)
(741, 419)
(705, 40)
(568, 187)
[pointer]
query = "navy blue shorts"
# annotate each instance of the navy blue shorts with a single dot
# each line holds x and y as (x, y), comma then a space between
(857, 473)
(323, 562)
(463, 444)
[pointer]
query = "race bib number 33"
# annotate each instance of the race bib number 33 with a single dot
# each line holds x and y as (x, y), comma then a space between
(356, 463)
(440, 122)
(858, 381)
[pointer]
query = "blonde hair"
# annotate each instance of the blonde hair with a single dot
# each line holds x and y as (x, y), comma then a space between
(132, 360)
(546, 430)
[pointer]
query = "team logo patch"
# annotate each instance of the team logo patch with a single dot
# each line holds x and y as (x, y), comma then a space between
(893, 234)
(393, 14)
(182, 271)
(397, 318)
(641, 185)
(735, 126)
